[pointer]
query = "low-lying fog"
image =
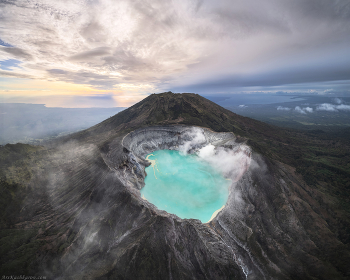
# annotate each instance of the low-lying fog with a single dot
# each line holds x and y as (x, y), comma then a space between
(26, 123)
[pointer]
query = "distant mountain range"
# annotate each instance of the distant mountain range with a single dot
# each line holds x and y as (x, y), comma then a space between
(71, 208)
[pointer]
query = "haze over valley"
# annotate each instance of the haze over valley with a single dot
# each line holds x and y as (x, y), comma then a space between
(33, 123)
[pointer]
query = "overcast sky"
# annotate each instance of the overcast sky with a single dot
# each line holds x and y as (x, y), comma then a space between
(83, 53)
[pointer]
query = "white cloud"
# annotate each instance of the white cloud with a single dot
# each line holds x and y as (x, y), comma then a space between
(332, 108)
(327, 107)
(338, 100)
(299, 110)
(122, 41)
(303, 110)
(168, 43)
(308, 109)
(281, 108)
(343, 107)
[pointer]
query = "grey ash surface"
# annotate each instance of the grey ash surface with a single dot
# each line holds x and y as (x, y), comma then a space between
(79, 213)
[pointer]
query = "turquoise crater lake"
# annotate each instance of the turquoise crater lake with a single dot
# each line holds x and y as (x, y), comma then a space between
(184, 185)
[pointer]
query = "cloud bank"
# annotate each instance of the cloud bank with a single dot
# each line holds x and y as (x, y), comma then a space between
(338, 106)
(333, 108)
(201, 46)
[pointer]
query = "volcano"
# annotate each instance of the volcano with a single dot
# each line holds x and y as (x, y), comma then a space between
(72, 209)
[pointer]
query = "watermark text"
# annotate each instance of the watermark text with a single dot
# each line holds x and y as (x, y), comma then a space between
(22, 277)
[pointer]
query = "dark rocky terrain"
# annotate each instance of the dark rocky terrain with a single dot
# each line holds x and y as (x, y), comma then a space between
(71, 209)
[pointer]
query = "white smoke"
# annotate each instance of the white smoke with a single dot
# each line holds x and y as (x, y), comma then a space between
(196, 137)
(207, 151)
(232, 163)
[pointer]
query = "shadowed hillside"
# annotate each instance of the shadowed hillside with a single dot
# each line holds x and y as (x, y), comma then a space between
(71, 209)
(186, 108)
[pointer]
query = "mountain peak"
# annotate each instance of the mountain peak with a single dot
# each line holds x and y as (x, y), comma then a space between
(170, 108)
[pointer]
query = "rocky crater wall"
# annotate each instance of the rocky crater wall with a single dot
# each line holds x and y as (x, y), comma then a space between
(131, 172)
(253, 237)
(189, 139)
(147, 140)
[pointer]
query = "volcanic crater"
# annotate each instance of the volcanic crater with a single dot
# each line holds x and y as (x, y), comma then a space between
(189, 140)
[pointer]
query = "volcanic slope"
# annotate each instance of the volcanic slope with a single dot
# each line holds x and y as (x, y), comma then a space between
(170, 109)
(71, 209)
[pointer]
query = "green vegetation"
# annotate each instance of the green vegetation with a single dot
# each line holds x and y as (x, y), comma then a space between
(18, 246)
(18, 164)
(17, 249)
